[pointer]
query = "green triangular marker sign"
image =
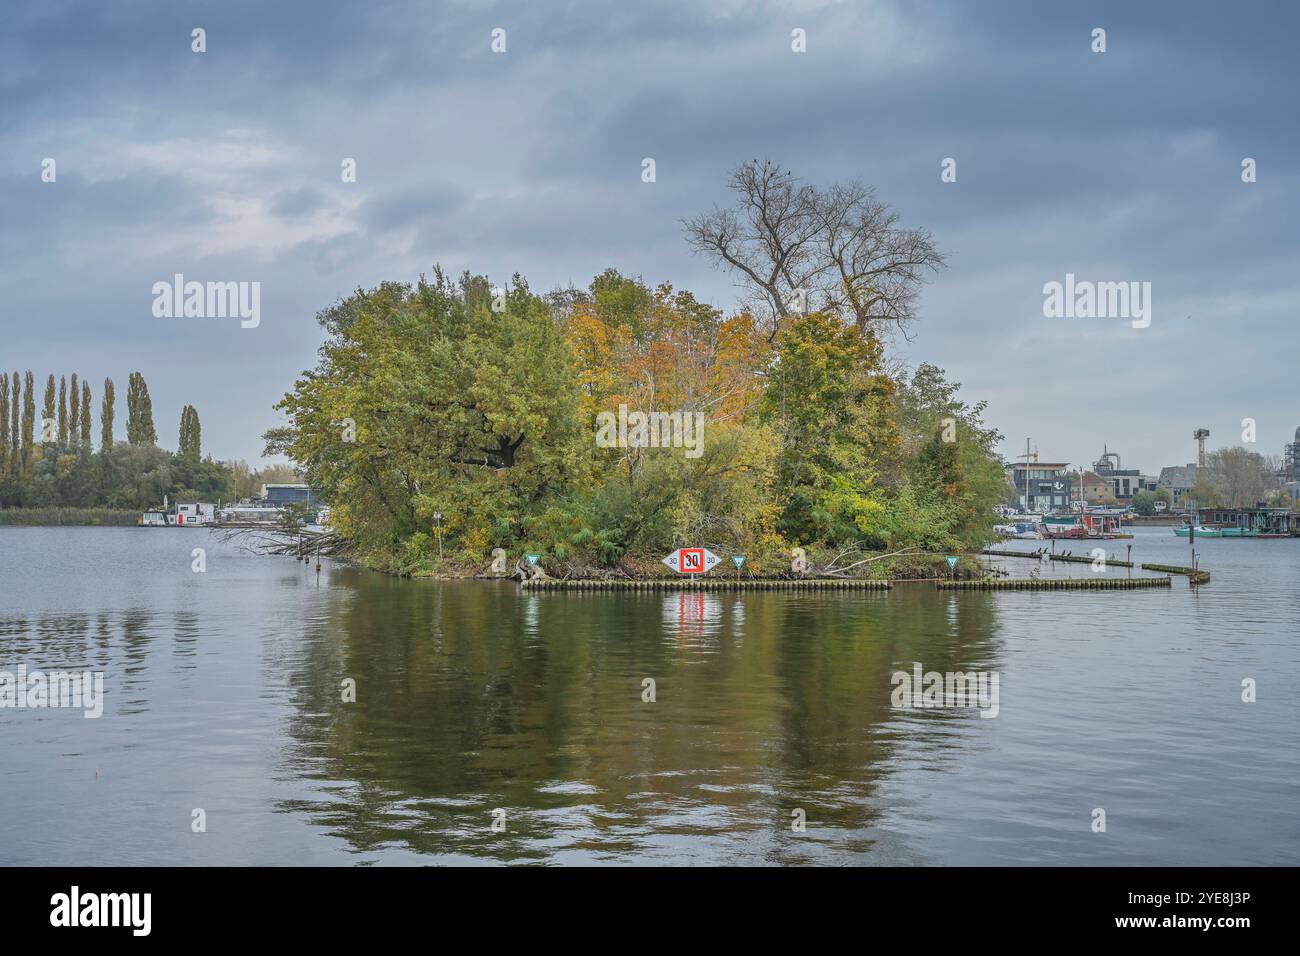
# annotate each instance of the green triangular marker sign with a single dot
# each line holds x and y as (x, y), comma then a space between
(952, 561)
(533, 559)
(738, 560)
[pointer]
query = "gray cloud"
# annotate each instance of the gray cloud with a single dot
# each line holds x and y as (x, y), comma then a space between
(226, 165)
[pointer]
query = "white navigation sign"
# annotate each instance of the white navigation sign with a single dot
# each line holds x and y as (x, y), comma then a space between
(692, 560)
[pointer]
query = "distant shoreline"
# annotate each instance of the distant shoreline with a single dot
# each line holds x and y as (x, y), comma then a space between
(68, 517)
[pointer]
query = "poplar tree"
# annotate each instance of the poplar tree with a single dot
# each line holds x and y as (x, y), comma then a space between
(85, 415)
(4, 424)
(13, 423)
(139, 412)
(106, 417)
(29, 422)
(188, 446)
(74, 410)
(47, 410)
(63, 410)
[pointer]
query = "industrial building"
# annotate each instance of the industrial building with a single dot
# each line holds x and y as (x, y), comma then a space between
(1178, 480)
(1124, 482)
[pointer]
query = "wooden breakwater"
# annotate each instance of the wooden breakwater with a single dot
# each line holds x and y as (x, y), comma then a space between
(1080, 559)
(994, 552)
(1056, 584)
(706, 584)
(1076, 558)
(1194, 575)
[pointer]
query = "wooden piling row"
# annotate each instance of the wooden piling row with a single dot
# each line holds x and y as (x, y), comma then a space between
(1081, 559)
(1056, 584)
(1194, 575)
(1076, 558)
(708, 584)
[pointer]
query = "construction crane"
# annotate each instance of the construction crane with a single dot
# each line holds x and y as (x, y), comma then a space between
(1200, 435)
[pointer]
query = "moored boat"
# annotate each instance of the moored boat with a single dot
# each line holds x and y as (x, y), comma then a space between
(1021, 530)
(193, 515)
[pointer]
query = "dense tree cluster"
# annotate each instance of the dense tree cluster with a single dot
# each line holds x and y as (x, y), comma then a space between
(52, 463)
(480, 410)
(480, 405)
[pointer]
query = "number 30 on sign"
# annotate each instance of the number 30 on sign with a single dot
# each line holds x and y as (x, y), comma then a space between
(692, 560)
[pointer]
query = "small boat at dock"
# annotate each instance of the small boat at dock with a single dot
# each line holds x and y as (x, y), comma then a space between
(1089, 526)
(1022, 530)
(1210, 531)
(195, 514)
(1257, 522)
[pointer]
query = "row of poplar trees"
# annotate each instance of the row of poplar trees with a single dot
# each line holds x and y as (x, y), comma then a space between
(66, 419)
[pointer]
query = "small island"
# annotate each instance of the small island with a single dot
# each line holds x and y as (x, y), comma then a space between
(599, 428)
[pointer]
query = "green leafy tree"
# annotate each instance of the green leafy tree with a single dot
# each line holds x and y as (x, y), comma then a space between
(949, 454)
(831, 405)
(1144, 502)
(427, 400)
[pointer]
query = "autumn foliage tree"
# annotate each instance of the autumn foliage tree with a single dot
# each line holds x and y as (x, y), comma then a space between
(486, 406)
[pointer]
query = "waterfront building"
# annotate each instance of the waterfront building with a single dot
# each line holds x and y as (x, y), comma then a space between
(1043, 486)
(271, 505)
(277, 496)
(1290, 473)
(1124, 482)
(1178, 481)
(1250, 522)
(1094, 489)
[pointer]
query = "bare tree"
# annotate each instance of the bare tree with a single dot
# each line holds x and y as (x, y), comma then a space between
(839, 249)
(874, 267)
(769, 237)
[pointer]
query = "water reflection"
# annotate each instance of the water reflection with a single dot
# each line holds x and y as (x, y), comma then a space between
(224, 691)
(471, 697)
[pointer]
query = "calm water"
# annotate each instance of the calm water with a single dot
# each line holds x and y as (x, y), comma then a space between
(223, 693)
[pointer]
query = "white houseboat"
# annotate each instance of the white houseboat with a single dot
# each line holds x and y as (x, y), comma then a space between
(194, 514)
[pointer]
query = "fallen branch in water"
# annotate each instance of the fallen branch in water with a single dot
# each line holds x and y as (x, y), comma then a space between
(831, 571)
(287, 541)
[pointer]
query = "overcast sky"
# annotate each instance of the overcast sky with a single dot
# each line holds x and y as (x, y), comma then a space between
(225, 165)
